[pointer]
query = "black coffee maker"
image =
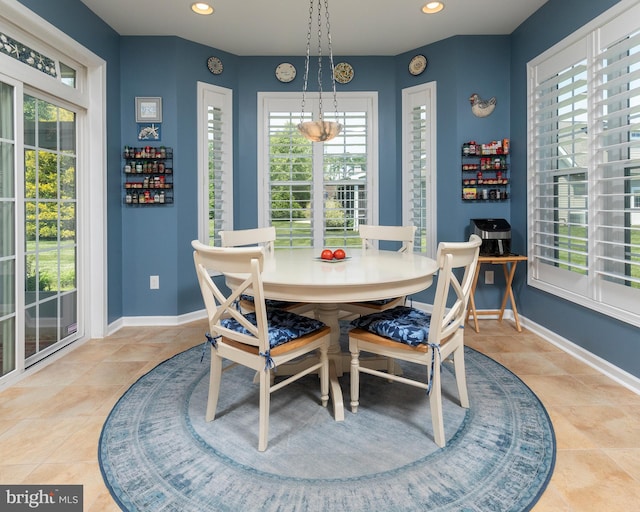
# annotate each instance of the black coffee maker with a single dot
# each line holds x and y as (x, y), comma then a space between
(495, 234)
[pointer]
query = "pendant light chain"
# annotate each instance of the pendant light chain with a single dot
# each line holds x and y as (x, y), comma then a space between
(320, 57)
(306, 62)
(320, 130)
(333, 71)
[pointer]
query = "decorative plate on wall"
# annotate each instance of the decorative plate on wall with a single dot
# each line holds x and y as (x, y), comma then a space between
(417, 65)
(343, 72)
(215, 65)
(285, 72)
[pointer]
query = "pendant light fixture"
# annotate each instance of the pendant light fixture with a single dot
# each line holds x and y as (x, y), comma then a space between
(319, 130)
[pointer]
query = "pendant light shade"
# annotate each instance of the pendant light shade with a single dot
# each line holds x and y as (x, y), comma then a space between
(319, 130)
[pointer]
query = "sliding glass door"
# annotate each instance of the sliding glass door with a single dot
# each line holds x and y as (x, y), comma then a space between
(38, 236)
(51, 295)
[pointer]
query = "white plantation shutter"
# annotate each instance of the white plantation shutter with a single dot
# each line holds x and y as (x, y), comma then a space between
(316, 194)
(617, 221)
(559, 213)
(345, 180)
(419, 178)
(584, 168)
(215, 127)
(290, 180)
(215, 162)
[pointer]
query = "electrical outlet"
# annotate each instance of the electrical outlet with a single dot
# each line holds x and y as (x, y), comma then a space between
(154, 282)
(488, 277)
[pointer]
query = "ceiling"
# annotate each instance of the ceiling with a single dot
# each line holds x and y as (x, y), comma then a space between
(358, 27)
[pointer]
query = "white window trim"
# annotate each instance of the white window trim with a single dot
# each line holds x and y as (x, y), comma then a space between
(209, 94)
(268, 100)
(425, 94)
(606, 28)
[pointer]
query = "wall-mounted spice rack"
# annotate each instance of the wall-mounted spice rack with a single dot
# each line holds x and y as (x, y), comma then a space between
(148, 176)
(485, 171)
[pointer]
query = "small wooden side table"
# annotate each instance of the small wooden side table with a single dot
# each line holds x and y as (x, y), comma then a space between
(509, 263)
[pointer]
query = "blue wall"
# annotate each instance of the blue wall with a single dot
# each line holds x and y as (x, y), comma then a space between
(156, 241)
(461, 66)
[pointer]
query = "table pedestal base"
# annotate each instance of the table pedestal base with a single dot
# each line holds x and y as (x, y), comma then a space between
(339, 361)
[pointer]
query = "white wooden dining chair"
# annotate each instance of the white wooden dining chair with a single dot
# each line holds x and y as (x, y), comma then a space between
(426, 339)
(260, 340)
(262, 237)
(371, 235)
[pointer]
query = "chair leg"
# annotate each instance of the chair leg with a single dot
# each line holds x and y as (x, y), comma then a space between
(324, 376)
(435, 402)
(461, 377)
(265, 398)
(215, 374)
(355, 378)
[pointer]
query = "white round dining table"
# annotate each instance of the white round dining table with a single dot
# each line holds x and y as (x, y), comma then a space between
(300, 275)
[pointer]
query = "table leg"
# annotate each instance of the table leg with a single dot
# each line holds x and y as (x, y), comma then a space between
(505, 296)
(328, 314)
(471, 310)
(509, 273)
(336, 393)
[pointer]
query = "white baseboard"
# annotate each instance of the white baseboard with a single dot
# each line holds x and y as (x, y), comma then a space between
(159, 321)
(617, 374)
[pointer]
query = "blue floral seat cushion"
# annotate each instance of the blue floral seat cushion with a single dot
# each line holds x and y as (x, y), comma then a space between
(403, 324)
(283, 325)
(270, 303)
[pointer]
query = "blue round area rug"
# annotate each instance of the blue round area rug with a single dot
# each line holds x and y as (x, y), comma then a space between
(157, 453)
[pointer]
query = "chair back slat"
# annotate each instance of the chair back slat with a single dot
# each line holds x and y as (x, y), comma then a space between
(370, 234)
(447, 318)
(264, 237)
(220, 302)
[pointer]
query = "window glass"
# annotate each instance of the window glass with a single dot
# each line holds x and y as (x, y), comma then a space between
(67, 75)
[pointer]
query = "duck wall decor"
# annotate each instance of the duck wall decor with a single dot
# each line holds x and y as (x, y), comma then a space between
(480, 107)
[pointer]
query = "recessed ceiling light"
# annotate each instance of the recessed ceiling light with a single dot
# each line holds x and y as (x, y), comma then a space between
(201, 8)
(432, 7)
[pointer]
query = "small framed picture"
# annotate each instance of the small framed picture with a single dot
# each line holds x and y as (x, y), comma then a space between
(148, 110)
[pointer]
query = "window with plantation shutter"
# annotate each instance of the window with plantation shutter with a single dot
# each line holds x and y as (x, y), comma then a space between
(559, 216)
(317, 194)
(215, 177)
(418, 165)
(584, 167)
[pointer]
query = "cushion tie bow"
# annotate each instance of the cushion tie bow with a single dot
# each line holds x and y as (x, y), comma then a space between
(210, 339)
(269, 362)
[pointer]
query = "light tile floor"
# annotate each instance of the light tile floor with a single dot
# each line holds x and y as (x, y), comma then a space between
(50, 422)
